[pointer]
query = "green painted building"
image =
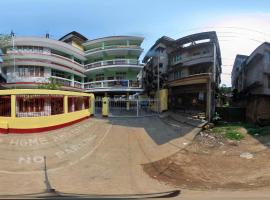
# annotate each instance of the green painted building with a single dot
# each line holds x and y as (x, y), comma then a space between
(112, 65)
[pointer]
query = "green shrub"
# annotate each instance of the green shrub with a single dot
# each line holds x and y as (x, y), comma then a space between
(234, 135)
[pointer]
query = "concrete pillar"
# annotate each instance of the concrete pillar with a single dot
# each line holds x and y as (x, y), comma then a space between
(92, 105)
(208, 100)
(128, 103)
(105, 107)
(82, 81)
(72, 80)
(13, 106)
(65, 104)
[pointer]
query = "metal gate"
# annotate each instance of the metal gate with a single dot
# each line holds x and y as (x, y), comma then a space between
(133, 108)
(98, 107)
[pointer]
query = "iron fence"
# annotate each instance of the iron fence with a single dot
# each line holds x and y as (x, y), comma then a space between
(133, 108)
(5, 106)
(77, 103)
(98, 106)
(39, 105)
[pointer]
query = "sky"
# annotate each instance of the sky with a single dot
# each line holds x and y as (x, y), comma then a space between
(241, 25)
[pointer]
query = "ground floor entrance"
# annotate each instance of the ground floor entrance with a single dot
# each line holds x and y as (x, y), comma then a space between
(121, 107)
(188, 98)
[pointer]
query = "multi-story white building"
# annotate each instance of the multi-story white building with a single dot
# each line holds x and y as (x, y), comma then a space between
(104, 66)
(189, 68)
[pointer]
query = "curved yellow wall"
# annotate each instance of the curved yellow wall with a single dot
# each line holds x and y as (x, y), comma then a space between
(42, 123)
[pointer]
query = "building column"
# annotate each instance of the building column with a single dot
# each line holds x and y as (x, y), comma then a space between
(92, 105)
(65, 104)
(82, 82)
(128, 103)
(72, 80)
(208, 100)
(13, 106)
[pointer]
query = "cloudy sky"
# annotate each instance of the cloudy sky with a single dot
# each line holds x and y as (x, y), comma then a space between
(241, 25)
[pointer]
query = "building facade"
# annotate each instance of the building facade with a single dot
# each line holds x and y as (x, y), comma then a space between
(104, 66)
(189, 67)
(251, 83)
(112, 65)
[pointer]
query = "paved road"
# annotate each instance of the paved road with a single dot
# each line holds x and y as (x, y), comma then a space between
(94, 156)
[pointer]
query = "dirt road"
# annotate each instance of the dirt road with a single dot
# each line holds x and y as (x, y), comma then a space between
(106, 156)
(95, 156)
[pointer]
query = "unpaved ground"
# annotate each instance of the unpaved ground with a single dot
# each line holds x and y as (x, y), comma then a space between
(96, 156)
(210, 162)
(112, 156)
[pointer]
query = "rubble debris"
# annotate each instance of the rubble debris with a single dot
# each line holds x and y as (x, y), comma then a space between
(246, 155)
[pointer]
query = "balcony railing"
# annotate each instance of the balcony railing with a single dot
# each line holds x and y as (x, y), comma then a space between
(9, 56)
(192, 58)
(112, 47)
(112, 62)
(112, 84)
(67, 82)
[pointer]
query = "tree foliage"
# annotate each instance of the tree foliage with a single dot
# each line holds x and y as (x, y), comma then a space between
(5, 40)
(52, 85)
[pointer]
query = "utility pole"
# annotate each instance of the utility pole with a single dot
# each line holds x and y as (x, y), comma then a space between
(13, 51)
(158, 60)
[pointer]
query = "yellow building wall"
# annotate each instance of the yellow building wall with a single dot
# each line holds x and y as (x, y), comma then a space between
(43, 121)
(162, 104)
(75, 44)
(163, 98)
(105, 106)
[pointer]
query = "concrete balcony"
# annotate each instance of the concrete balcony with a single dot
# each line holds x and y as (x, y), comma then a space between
(46, 60)
(193, 60)
(114, 50)
(51, 44)
(130, 63)
(67, 82)
(113, 85)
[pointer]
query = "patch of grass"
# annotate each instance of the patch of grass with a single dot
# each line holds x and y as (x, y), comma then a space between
(229, 131)
(234, 135)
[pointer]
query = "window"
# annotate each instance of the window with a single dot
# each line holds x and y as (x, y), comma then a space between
(31, 104)
(76, 103)
(196, 53)
(120, 75)
(100, 77)
(31, 49)
(5, 106)
(176, 58)
(33, 71)
(86, 102)
(39, 71)
(60, 74)
(22, 71)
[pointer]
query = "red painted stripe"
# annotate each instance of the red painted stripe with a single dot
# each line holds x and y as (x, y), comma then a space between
(39, 130)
